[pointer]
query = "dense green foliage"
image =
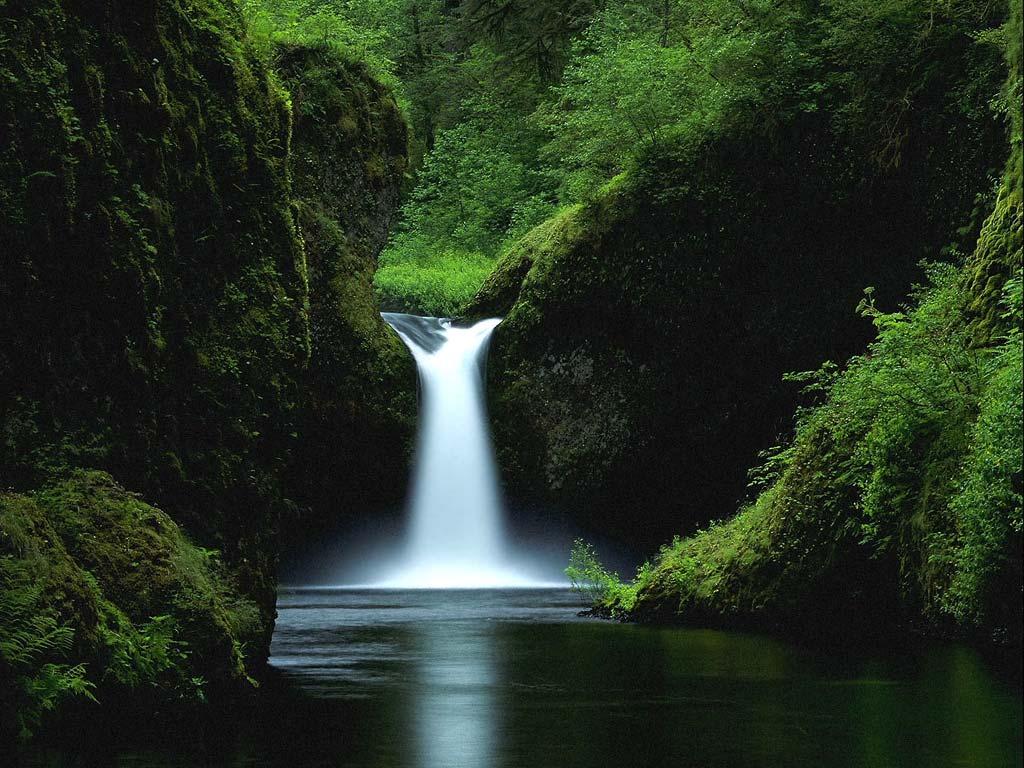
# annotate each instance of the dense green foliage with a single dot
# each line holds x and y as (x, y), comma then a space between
(900, 494)
(519, 109)
(649, 326)
(467, 90)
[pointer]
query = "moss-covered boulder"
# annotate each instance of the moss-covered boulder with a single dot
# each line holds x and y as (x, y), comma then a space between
(357, 412)
(639, 370)
(104, 596)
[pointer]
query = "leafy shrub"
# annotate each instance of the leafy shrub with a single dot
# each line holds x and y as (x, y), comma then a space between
(586, 574)
(597, 585)
(988, 503)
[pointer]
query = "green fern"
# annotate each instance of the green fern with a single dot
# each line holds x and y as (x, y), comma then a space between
(32, 645)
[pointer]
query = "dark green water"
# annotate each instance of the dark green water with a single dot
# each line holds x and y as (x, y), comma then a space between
(447, 679)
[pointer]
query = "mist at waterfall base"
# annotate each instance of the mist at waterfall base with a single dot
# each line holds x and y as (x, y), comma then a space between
(455, 532)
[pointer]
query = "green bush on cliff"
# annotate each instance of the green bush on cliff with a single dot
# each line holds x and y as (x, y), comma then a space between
(900, 492)
(985, 550)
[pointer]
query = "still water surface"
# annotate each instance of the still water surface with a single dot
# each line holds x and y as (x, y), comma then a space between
(493, 679)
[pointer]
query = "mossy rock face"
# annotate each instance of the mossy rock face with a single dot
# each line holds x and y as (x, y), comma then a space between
(1000, 249)
(153, 297)
(640, 363)
(357, 415)
(554, 236)
(155, 620)
(159, 321)
(349, 144)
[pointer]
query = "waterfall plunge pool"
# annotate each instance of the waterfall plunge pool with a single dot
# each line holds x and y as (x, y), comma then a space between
(514, 679)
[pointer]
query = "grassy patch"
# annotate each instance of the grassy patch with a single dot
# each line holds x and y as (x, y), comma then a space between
(427, 283)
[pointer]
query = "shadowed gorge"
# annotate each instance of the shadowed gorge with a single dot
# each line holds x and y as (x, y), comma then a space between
(509, 384)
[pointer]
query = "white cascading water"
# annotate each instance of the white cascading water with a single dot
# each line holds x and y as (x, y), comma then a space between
(456, 537)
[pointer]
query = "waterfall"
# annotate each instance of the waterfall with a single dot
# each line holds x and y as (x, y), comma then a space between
(456, 536)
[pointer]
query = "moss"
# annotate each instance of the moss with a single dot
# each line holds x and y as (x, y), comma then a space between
(899, 503)
(885, 515)
(638, 373)
(1001, 246)
(145, 565)
(794, 546)
(548, 240)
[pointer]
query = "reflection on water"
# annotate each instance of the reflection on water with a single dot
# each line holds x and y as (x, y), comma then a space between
(454, 706)
(516, 680)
